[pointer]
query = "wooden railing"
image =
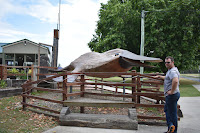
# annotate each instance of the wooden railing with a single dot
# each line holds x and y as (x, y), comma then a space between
(4, 71)
(139, 85)
(148, 87)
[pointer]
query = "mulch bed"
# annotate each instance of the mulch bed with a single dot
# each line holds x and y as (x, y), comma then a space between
(96, 110)
(104, 110)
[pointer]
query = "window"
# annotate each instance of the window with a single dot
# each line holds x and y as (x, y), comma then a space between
(9, 56)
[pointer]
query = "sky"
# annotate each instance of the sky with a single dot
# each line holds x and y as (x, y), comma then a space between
(36, 20)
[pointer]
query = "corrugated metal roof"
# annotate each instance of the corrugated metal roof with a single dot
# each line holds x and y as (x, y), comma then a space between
(2, 44)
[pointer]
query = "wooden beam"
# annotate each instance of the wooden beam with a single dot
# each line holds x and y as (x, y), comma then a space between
(38, 81)
(74, 83)
(49, 89)
(40, 98)
(91, 102)
(111, 84)
(150, 105)
(26, 104)
(74, 94)
(113, 95)
(153, 117)
(151, 82)
(88, 104)
(150, 117)
(151, 90)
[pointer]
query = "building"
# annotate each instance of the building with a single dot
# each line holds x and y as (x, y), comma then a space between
(23, 53)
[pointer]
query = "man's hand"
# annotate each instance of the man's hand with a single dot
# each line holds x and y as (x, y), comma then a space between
(170, 92)
(160, 77)
(174, 86)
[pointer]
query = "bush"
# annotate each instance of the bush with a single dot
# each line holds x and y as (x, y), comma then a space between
(3, 84)
(13, 71)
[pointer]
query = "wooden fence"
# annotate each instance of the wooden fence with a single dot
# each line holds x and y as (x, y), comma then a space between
(4, 71)
(139, 85)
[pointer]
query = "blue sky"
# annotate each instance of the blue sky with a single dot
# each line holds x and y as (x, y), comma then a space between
(36, 19)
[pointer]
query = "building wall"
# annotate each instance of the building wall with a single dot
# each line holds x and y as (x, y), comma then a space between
(24, 49)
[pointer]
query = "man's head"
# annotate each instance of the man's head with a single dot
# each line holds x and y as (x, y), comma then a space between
(169, 62)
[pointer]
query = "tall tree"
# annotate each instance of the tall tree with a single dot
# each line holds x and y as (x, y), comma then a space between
(171, 28)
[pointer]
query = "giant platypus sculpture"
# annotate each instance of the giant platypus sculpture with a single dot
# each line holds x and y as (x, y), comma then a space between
(116, 60)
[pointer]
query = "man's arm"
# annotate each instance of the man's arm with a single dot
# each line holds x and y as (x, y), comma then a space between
(159, 76)
(174, 85)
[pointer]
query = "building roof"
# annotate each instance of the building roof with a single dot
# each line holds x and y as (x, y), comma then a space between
(1, 44)
(13, 43)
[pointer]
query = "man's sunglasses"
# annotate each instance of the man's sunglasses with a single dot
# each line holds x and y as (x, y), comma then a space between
(167, 62)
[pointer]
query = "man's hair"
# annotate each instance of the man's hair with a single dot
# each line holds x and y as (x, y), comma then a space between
(169, 57)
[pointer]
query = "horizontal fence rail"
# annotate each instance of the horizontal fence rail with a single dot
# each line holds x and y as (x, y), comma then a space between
(130, 86)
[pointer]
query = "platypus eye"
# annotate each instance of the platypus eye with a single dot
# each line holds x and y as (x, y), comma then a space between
(116, 54)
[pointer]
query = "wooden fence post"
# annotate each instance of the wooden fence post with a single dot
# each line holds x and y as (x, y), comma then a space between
(64, 87)
(157, 85)
(32, 69)
(5, 72)
(138, 88)
(1, 71)
(134, 87)
(101, 85)
(24, 98)
(82, 90)
(95, 84)
(24, 89)
(116, 88)
(34, 76)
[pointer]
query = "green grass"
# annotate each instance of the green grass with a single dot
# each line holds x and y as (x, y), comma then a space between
(191, 75)
(14, 119)
(186, 88)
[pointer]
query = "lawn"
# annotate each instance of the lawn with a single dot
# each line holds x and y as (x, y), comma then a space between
(186, 88)
(191, 75)
(13, 119)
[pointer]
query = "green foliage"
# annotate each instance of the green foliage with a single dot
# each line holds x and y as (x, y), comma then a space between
(171, 28)
(23, 77)
(13, 71)
(3, 84)
(16, 71)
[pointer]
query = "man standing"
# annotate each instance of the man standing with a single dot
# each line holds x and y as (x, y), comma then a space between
(172, 94)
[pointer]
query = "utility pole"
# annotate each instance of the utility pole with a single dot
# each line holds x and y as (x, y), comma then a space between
(55, 48)
(54, 62)
(38, 70)
(142, 38)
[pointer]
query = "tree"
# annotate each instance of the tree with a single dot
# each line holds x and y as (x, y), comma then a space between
(171, 28)
(116, 21)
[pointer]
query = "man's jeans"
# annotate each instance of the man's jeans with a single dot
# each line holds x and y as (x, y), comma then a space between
(171, 110)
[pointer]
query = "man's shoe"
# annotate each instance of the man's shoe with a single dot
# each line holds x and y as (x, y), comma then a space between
(171, 129)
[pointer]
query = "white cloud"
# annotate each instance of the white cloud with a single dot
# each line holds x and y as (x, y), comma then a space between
(44, 11)
(78, 23)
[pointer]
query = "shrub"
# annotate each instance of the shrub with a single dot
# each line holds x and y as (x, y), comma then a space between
(3, 84)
